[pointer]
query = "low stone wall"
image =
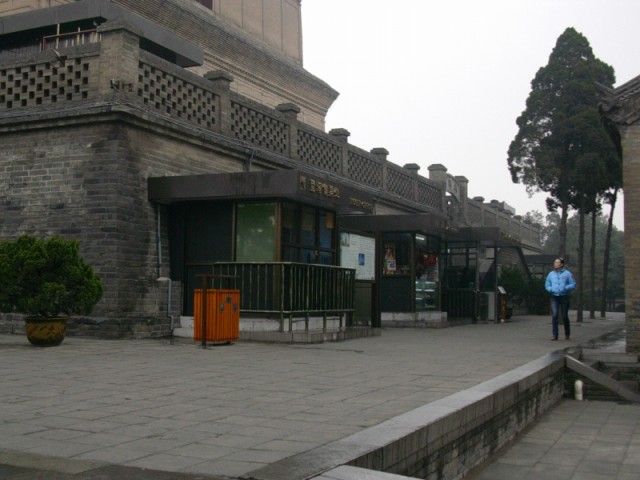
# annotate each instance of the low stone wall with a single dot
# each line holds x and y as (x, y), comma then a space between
(487, 417)
(415, 320)
(312, 336)
(268, 330)
(444, 439)
(98, 327)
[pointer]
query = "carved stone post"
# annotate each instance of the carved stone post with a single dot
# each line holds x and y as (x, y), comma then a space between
(221, 82)
(119, 59)
(290, 112)
(438, 173)
(413, 168)
(381, 154)
(342, 135)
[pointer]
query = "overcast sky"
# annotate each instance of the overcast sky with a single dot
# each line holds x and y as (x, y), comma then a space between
(444, 81)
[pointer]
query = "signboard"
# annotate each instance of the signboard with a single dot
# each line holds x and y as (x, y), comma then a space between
(358, 252)
(327, 189)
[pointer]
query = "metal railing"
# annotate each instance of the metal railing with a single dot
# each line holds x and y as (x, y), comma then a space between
(72, 39)
(461, 303)
(289, 290)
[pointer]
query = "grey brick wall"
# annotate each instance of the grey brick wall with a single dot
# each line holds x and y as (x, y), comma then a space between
(63, 181)
(631, 173)
(89, 183)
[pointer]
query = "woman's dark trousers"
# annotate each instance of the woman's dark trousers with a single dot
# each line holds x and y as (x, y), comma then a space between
(560, 308)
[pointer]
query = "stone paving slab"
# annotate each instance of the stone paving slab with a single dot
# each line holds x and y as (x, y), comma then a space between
(233, 409)
(574, 441)
(28, 466)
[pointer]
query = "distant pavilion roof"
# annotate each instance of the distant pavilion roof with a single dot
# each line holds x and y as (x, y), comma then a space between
(622, 104)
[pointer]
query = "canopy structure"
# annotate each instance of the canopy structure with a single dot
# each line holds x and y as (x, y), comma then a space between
(295, 185)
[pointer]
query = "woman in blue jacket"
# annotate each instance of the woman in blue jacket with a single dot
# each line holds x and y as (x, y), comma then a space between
(560, 284)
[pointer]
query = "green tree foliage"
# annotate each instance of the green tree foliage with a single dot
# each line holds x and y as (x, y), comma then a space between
(615, 284)
(562, 146)
(45, 278)
(524, 290)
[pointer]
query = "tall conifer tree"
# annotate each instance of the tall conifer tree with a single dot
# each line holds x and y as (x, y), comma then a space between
(560, 133)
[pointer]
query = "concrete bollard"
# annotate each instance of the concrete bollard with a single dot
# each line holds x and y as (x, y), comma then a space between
(578, 389)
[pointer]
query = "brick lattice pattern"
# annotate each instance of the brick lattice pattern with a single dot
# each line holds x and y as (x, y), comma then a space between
(364, 170)
(259, 128)
(45, 83)
(503, 223)
(317, 151)
(399, 183)
(429, 195)
(474, 214)
(173, 96)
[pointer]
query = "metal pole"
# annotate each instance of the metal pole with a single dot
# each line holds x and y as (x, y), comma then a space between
(281, 284)
(169, 309)
(307, 295)
(204, 310)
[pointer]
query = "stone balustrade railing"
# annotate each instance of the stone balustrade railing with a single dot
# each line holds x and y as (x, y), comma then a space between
(482, 214)
(209, 103)
(117, 68)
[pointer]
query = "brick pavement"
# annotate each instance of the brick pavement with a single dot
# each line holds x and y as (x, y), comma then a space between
(574, 441)
(232, 409)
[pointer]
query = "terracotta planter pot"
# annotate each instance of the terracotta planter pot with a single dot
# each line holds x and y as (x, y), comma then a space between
(45, 332)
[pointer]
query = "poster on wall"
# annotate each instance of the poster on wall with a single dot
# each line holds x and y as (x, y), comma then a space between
(390, 264)
(358, 252)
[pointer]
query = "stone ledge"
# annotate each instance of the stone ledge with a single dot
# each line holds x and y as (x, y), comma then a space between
(309, 337)
(426, 442)
(354, 473)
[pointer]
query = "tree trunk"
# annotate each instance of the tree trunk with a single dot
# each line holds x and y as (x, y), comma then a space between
(563, 230)
(580, 303)
(592, 293)
(607, 248)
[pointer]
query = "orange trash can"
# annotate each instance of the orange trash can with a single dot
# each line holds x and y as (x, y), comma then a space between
(223, 315)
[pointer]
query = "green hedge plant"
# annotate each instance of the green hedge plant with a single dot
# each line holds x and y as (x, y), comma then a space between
(46, 278)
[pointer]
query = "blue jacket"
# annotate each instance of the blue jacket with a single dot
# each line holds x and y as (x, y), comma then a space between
(560, 282)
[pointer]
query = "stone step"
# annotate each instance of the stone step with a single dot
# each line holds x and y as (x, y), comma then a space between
(186, 322)
(183, 332)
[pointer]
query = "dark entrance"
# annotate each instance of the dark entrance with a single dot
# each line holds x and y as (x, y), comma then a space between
(200, 233)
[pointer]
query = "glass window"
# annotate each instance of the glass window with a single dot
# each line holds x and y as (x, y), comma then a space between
(290, 228)
(255, 232)
(326, 229)
(396, 248)
(460, 271)
(427, 273)
(308, 256)
(290, 254)
(308, 234)
(308, 230)
(326, 258)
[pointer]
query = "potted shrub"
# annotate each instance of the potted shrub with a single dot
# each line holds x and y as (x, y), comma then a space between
(46, 280)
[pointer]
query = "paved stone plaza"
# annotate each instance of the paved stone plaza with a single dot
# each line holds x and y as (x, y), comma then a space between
(229, 410)
(575, 441)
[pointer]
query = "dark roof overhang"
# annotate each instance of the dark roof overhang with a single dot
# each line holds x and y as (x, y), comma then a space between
(488, 236)
(294, 185)
(429, 223)
(187, 53)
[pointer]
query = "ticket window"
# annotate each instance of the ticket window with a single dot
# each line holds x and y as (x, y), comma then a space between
(256, 228)
(308, 234)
